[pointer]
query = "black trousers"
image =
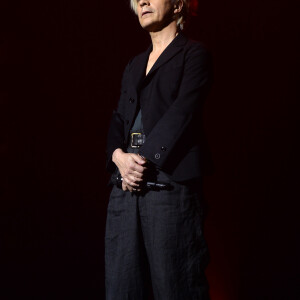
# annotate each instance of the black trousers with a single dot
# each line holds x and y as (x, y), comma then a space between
(156, 237)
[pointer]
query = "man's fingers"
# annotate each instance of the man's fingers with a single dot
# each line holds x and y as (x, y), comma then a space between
(134, 166)
(124, 186)
(139, 169)
(127, 187)
(130, 188)
(130, 165)
(138, 159)
(130, 180)
(138, 176)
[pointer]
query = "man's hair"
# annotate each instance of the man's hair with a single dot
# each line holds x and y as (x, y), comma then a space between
(189, 8)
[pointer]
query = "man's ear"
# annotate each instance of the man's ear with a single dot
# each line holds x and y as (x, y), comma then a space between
(178, 6)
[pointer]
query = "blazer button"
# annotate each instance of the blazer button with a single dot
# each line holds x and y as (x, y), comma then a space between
(131, 100)
(163, 148)
(157, 156)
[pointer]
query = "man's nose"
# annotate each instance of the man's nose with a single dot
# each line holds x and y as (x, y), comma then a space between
(143, 2)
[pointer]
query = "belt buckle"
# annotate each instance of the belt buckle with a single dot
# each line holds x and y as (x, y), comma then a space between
(132, 134)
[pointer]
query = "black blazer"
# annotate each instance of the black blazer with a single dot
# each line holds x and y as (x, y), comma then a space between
(174, 91)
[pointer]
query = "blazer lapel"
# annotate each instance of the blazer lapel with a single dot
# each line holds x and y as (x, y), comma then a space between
(172, 49)
(138, 71)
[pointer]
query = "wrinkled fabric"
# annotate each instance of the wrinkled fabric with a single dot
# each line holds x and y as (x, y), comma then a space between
(156, 237)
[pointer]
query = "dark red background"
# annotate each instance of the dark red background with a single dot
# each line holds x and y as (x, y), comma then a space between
(61, 65)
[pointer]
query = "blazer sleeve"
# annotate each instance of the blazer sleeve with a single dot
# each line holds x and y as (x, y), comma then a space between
(115, 136)
(194, 87)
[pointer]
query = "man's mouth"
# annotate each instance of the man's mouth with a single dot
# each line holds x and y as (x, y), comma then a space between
(145, 13)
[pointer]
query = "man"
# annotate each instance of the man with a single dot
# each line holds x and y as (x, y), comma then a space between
(156, 153)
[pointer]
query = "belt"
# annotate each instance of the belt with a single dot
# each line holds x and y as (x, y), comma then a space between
(137, 139)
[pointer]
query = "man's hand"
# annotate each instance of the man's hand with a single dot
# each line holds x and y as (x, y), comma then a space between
(131, 167)
(127, 187)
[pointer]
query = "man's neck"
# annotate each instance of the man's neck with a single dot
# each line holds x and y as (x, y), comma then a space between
(161, 39)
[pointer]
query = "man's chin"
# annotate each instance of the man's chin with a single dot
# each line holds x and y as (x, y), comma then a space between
(151, 27)
(154, 26)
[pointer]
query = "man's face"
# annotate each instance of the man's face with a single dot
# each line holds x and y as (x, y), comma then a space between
(155, 14)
